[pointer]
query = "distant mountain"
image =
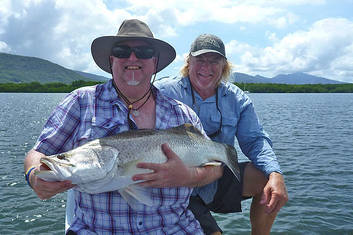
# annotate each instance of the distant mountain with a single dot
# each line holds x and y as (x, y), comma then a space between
(294, 78)
(93, 76)
(18, 69)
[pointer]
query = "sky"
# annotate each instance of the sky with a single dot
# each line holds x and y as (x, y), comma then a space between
(262, 37)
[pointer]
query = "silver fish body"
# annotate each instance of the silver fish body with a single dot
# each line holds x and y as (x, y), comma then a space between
(107, 164)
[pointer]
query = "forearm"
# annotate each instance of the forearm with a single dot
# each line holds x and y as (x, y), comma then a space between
(205, 175)
(32, 159)
(262, 156)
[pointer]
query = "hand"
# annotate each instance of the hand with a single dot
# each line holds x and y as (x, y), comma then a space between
(274, 195)
(172, 173)
(46, 190)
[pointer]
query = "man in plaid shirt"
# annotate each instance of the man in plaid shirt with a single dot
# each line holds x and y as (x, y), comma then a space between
(128, 101)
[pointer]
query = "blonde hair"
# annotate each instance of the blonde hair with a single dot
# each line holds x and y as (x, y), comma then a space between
(225, 73)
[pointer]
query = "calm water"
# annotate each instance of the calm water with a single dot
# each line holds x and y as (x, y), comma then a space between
(312, 136)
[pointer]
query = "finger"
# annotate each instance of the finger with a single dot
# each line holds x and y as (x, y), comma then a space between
(265, 196)
(168, 152)
(272, 204)
(276, 208)
(148, 165)
(46, 190)
(144, 177)
(150, 183)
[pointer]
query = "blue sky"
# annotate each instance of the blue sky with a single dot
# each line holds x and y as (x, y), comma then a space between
(262, 37)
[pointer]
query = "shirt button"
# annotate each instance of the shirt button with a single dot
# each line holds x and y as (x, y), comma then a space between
(140, 223)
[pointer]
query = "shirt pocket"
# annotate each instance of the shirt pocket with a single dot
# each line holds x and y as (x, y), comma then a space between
(229, 128)
(102, 126)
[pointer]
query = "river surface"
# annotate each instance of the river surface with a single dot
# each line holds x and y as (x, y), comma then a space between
(312, 136)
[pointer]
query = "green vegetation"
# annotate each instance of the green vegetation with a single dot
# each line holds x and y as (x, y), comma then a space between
(36, 87)
(56, 87)
(307, 88)
(20, 69)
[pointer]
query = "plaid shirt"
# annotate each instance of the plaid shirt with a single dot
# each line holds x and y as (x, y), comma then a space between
(94, 112)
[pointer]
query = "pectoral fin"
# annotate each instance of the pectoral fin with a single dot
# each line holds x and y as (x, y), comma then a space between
(134, 195)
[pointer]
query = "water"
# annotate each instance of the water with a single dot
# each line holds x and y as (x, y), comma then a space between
(311, 133)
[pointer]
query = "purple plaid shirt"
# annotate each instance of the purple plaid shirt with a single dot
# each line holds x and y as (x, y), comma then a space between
(94, 112)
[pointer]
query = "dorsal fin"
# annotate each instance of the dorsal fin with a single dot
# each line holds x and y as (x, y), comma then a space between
(187, 127)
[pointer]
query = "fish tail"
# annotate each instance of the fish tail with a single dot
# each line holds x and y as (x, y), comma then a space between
(232, 157)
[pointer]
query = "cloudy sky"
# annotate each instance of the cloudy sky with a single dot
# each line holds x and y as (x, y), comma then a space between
(264, 37)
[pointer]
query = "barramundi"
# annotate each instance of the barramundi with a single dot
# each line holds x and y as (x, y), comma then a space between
(108, 164)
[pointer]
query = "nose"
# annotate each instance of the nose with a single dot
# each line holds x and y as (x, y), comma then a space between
(206, 65)
(132, 56)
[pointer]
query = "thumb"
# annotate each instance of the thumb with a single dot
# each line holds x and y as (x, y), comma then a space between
(265, 196)
(168, 152)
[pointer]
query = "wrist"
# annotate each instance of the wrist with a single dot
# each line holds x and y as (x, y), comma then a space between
(28, 175)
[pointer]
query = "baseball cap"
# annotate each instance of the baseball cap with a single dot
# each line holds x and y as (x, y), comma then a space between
(207, 43)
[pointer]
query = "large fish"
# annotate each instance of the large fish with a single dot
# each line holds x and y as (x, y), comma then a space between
(108, 163)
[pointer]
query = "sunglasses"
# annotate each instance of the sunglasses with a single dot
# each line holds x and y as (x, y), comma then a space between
(141, 52)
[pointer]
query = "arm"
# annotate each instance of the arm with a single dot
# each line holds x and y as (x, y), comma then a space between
(56, 136)
(174, 173)
(43, 189)
(257, 146)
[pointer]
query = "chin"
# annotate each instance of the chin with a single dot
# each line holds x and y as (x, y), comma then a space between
(133, 83)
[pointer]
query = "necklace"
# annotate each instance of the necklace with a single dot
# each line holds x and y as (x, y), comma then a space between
(135, 111)
(132, 110)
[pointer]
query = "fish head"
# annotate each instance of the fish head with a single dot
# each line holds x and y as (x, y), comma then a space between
(80, 165)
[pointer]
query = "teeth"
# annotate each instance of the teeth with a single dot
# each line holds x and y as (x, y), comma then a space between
(131, 67)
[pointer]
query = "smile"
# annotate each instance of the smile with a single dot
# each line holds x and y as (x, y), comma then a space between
(132, 67)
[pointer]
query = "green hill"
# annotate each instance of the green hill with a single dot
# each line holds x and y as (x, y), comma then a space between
(24, 69)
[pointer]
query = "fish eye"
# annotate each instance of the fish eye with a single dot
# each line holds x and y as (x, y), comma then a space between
(61, 156)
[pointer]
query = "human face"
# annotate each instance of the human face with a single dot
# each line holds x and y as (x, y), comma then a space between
(132, 71)
(205, 71)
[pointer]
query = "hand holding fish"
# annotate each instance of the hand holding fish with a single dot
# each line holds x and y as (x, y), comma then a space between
(44, 189)
(174, 173)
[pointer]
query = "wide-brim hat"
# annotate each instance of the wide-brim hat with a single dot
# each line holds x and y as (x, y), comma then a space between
(133, 29)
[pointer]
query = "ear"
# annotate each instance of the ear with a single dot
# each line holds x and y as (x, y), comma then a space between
(111, 58)
(155, 64)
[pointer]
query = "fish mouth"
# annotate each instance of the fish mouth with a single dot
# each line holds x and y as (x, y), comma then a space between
(49, 164)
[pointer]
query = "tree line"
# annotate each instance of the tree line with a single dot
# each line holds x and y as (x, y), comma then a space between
(289, 88)
(37, 87)
(56, 87)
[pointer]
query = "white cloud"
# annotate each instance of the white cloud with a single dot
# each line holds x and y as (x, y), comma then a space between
(4, 47)
(185, 12)
(62, 31)
(326, 46)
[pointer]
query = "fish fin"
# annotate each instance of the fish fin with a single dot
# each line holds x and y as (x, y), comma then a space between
(232, 157)
(187, 127)
(134, 194)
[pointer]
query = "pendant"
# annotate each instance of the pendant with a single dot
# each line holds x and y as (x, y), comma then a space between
(135, 112)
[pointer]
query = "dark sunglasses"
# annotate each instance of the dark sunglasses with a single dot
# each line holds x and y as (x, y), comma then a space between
(141, 52)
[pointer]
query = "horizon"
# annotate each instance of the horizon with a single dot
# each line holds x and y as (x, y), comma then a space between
(158, 78)
(261, 37)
